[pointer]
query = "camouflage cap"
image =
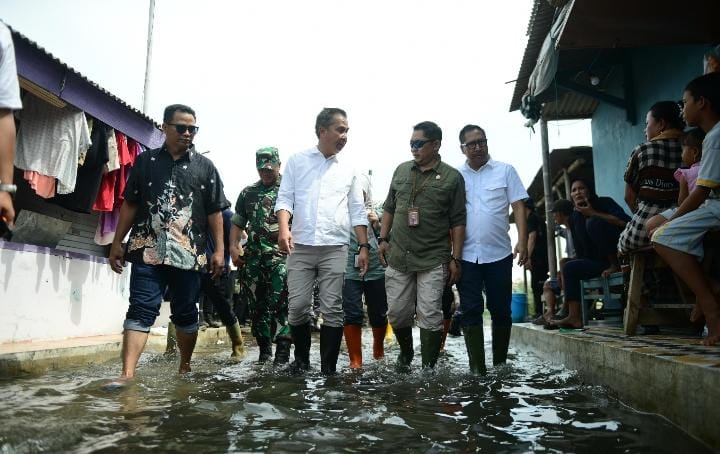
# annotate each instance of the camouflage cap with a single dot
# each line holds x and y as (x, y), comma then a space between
(267, 158)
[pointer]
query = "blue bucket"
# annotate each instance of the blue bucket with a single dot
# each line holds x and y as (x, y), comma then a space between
(518, 307)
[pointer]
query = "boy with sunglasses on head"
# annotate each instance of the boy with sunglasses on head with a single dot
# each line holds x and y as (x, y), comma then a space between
(173, 202)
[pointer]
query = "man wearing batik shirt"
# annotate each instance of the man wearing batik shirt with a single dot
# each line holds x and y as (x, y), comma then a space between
(173, 200)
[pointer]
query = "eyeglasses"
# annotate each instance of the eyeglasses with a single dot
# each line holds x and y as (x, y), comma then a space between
(418, 144)
(181, 129)
(475, 143)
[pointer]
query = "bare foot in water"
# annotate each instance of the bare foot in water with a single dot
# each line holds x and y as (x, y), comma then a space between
(184, 368)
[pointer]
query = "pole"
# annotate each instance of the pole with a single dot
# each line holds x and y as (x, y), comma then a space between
(547, 189)
(148, 57)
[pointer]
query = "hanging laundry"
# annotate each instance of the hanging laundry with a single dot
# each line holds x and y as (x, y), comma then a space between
(43, 185)
(50, 140)
(107, 225)
(113, 158)
(90, 174)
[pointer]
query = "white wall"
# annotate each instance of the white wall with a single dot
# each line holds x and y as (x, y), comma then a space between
(49, 294)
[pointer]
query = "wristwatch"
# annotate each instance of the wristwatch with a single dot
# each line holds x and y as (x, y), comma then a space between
(364, 245)
(382, 240)
(6, 187)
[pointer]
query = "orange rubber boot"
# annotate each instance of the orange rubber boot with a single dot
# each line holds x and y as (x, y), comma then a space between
(378, 342)
(353, 339)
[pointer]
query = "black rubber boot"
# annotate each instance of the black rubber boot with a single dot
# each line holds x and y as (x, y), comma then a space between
(282, 350)
(405, 341)
(330, 340)
(301, 338)
(265, 347)
(500, 343)
(475, 345)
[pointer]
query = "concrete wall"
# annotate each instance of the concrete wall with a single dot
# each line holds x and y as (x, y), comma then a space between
(48, 294)
(660, 73)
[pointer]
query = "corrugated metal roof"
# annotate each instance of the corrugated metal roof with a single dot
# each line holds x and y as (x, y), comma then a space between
(569, 105)
(19, 36)
(541, 19)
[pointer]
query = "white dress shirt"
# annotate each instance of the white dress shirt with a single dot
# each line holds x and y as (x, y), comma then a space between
(324, 198)
(489, 191)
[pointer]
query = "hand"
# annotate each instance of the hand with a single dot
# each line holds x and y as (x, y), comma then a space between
(236, 255)
(117, 257)
(373, 217)
(383, 248)
(520, 252)
(217, 263)
(7, 211)
(528, 263)
(583, 207)
(285, 241)
(363, 261)
(454, 272)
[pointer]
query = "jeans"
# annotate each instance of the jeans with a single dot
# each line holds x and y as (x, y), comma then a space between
(495, 279)
(147, 286)
(375, 299)
(578, 270)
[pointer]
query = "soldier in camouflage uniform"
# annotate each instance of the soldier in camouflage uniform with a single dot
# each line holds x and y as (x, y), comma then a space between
(263, 274)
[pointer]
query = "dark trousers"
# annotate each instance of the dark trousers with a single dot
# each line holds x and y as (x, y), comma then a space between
(495, 279)
(578, 270)
(538, 277)
(375, 299)
(219, 292)
(447, 303)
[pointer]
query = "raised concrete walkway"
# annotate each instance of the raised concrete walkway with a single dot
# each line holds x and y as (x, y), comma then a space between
(37, 357)
(672, 375)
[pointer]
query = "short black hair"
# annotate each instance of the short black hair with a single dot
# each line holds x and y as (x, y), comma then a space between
(563, 206)
(708, 87)
(693, 137)
(172, 108)
(430, 130)
(326, 118)
(669, 112)
(467, 128)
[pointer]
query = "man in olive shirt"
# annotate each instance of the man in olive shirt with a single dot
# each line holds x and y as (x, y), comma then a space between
(424, 214)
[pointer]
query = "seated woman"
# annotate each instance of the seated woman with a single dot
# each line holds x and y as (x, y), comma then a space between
(595, 225)
(650, 185)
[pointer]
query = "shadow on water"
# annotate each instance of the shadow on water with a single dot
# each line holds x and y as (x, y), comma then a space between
(226, 407)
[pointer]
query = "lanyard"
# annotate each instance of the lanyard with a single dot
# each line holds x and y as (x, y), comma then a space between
(414, 193)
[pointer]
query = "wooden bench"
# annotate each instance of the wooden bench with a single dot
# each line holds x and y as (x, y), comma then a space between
(608, 290)
(639, 310)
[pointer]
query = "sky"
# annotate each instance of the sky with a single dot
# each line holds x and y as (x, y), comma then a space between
(258, 73)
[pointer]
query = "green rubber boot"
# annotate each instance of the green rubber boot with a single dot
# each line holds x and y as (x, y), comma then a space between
(430, 346)
(475, 345)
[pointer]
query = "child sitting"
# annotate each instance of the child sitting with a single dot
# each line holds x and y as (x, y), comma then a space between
(686, 176)
(680, 240)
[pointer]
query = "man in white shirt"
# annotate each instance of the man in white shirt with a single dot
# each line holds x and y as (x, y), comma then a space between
(321, 193)
(491, 188)
(9, 101)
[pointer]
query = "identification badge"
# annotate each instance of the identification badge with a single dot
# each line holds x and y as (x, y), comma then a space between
(413, 217)
(357, 261)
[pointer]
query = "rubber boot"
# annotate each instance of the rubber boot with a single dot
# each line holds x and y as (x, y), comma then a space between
(353, 340)
(379, 342)
(238, 350)
(475, 345)
(500, 343)
(446, 329)
(171, 344)
(301, 338)
(405, 341)
(282, 350)
(330, 340)
(429, 347)
(264, 348)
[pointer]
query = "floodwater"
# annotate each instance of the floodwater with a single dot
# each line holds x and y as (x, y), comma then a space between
(246, 407)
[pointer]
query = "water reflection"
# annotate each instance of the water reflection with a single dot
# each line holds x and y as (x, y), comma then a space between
(246, 407)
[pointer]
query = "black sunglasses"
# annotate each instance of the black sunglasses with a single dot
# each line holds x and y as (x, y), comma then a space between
(418, 144)
(192, 129)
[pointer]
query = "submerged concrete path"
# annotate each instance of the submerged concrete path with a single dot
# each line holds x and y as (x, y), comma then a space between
(672, 375)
